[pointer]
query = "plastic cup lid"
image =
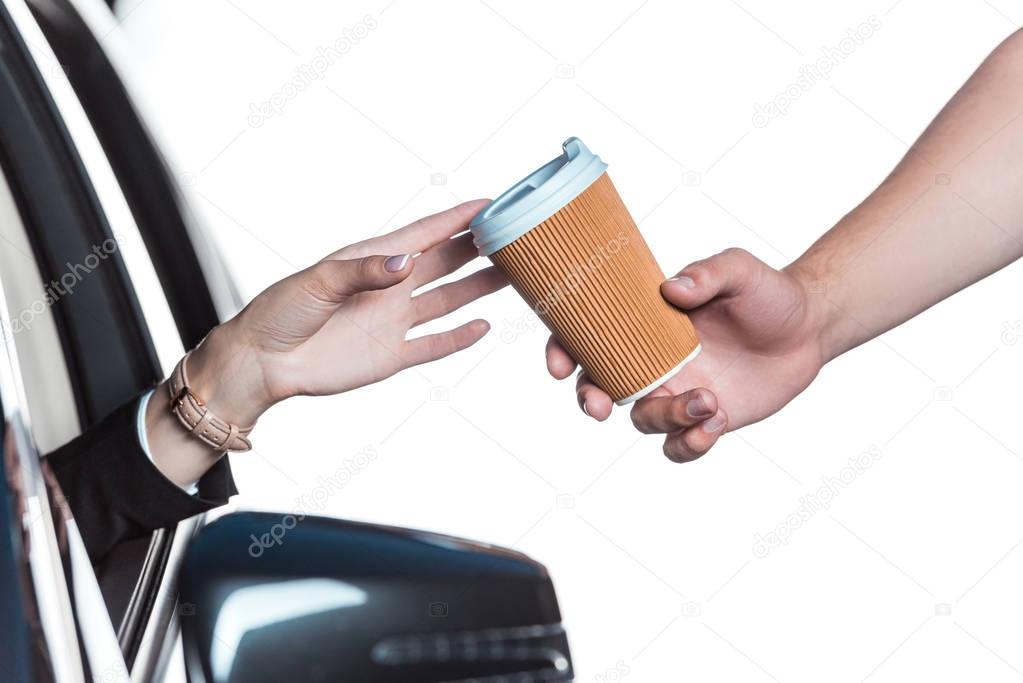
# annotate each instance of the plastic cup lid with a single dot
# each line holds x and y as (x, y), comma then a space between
(536, 197)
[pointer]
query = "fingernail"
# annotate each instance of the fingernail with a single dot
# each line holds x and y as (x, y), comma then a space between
(683, 281)
(394, 264)
(696, 407)
(585, 409)
(714, 424)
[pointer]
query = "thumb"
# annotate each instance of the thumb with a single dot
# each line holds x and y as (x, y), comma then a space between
(723, 275)
(336, 279)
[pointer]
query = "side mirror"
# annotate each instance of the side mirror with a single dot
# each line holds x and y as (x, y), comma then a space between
(271, 598)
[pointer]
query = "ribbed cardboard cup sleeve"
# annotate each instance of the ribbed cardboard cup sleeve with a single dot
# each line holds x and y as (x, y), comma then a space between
(589, 275)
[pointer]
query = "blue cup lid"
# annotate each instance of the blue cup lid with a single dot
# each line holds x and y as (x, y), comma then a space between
(536, 197)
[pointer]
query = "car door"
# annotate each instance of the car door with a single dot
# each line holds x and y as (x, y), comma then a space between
(57, 628)
(86, 174)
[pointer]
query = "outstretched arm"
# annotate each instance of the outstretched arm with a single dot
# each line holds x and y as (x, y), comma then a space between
(949, 214)
(335, 326)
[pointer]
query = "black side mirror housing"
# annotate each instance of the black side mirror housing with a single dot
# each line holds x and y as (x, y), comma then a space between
(266, 597)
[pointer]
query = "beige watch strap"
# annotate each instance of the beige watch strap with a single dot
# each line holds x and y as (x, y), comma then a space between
(199, 420)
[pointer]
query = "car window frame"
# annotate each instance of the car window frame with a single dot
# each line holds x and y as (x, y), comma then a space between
(149, 627)
(32, 554)
(55, 623)
(196, 282)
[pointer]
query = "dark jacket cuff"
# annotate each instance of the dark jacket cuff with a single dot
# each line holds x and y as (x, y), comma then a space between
(114, 490)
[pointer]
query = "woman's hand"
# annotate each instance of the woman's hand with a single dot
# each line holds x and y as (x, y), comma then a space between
(761, 348)
(342, 323)
(335, 326)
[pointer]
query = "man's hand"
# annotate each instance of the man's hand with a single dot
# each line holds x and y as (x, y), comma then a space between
(761, 348)
(910, 244)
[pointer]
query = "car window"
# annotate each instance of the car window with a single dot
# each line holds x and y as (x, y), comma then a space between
(44, 567)
(191, 273)
(33, 329)
(171, 275)
(117, 335)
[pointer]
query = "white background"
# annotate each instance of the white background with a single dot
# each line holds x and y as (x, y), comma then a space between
(911, 573)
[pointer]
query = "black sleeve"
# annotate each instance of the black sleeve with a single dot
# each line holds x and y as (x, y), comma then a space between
(116, 492)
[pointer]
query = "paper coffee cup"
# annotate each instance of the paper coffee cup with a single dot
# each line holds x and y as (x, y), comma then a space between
(570, 248)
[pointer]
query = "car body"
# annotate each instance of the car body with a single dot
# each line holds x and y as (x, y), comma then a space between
(105, 279)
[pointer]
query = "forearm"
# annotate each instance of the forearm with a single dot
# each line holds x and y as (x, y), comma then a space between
(340, 324)
(950, 214)
(114, 491)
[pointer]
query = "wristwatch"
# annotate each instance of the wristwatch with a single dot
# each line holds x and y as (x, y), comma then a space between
(198, 419)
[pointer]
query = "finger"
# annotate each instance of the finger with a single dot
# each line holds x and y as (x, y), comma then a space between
(726, 274)
(593, 400)
(435, 346)
(452, 296)
(334, 281)
(665, 414)
(444, 258)
(419, 235)
(559, 363)
(691, 443)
